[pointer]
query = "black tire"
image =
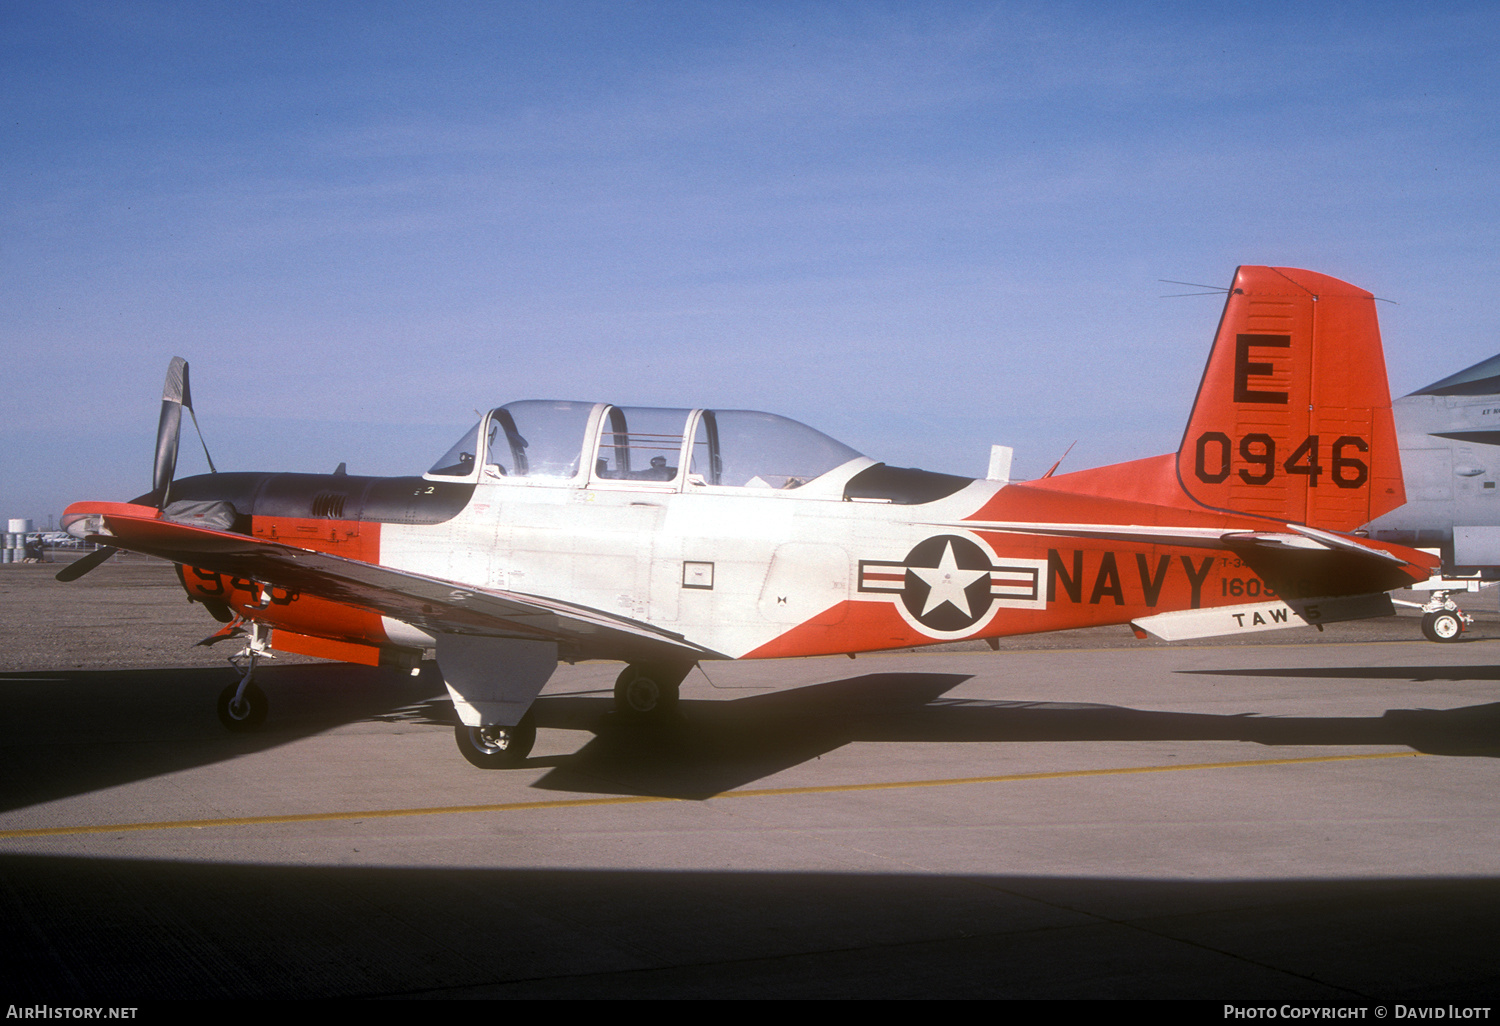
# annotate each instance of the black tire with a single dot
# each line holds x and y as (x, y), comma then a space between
(496, 747)
(1442, 626)
(641, 696)
(249, 715)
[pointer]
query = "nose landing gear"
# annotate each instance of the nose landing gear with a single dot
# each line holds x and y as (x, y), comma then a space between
(243, 707)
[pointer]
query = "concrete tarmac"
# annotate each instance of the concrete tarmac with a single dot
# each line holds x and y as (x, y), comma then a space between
(1307, 819)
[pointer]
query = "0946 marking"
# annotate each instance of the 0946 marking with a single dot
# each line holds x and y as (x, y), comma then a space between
(1212, 461)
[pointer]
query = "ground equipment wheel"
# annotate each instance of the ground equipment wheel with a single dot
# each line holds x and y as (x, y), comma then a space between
(643, 695)
(248, 713)
(496, 747)
(1444, 625)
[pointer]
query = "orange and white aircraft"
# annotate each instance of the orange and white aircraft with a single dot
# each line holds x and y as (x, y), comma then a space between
(662, 537)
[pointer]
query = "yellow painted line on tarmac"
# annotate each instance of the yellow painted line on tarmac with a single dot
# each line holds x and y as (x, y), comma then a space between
(765, 792)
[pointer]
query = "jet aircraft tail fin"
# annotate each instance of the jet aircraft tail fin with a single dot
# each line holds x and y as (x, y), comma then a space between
(1293, 416)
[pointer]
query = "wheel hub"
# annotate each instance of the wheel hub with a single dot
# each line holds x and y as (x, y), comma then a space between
(643, 694)
(492, 738)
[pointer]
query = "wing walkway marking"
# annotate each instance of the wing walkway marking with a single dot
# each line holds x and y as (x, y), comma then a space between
(765, 792)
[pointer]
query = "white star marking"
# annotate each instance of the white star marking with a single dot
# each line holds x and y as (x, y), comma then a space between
(946, 583)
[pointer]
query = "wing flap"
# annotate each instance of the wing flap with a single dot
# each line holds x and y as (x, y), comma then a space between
(1218, 621)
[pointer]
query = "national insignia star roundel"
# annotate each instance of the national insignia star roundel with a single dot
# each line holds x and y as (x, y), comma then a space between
(947, 583)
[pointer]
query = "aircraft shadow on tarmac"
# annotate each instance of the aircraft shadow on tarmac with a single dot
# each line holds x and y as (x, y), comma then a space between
(1416, 674)
(73, 732)
(119, 931)
(68, 732)
(722, 745)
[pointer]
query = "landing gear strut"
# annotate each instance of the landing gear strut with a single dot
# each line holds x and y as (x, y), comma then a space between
(648, 694)
(243, 706)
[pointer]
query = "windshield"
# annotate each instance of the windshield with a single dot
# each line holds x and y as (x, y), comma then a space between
(459, 460)
(534, 439)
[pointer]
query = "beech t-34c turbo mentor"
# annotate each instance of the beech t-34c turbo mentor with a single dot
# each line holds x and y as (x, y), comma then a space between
(662, 537)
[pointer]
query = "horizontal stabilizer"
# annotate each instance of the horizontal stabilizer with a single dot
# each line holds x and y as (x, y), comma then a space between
(1294, 537)
(1186, 624)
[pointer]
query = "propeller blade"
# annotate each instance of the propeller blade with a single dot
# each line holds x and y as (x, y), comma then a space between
(176, 389)
(174, 397)
(79, 567)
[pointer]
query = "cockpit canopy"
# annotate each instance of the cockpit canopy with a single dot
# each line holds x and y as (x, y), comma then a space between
(547, 442)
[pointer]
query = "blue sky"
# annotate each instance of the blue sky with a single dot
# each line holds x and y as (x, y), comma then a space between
(920, 227)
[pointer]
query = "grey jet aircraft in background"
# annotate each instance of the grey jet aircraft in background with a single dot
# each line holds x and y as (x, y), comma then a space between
(1450, 458)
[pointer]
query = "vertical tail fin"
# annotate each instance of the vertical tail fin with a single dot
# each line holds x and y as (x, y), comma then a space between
(1293, 417)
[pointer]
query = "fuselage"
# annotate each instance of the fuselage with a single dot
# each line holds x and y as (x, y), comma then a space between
(857, 557)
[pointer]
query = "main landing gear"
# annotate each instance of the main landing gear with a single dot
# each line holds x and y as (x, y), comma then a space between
(1445, 625)
(648, 694)
(644, 696)
(1442, 620)
(497, 747)
(243, 706)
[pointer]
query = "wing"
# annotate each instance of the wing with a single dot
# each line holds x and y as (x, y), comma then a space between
(436, 605)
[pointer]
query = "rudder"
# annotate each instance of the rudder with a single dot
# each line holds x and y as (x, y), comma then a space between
(1293, 417)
